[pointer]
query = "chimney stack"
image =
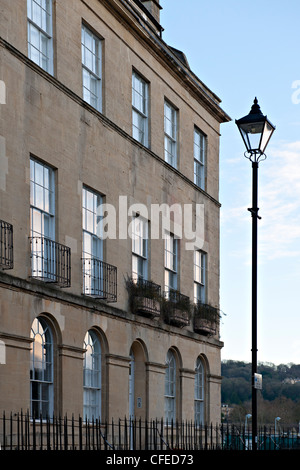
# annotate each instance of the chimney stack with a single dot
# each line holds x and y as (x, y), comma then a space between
(153, 7)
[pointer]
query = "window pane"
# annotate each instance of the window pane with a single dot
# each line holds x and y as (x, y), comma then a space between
(139, 94)
(199, 276)
(170, 121)
(138, 127)
(199, 392)
(92, 376)
(91, 68)
(36, 13)
(170, 253)
(34, 38)
(40, 33)
(170, 263)
(199, 158)
(170, 387)
(92, 244)
(39, 197)
(36, 219)
(41, 194)
(170, 134)
(139, 111)
(139, 247)
(89, 221)
(41, 360)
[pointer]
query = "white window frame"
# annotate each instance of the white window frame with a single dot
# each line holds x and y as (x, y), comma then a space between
(43, 30)
(92, 376)
(139, 248)
(41, 370)
(200, 145)
(200, 260)
(92, 241)
(170, 388)
(91, 70)
(170, 130)
(171, 263)
(42, 199)
(42, 220)
(140, 122)
(199, 396)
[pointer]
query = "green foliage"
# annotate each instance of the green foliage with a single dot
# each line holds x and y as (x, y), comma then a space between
(280, 394)
(278, 381)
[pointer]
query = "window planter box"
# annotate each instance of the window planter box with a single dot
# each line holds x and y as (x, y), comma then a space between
(203, 326)
(179, 317)
(146, 307)
(176, 309)
(206, 319)
(144, 297)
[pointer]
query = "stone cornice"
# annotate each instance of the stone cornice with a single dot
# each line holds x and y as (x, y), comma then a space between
(209, 100)
(42, 290)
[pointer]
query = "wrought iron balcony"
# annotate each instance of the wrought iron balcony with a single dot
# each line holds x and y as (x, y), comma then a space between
(144, 297)
(50, 261)
(99, 279)
(206, 319)
(176, 308)
(6, 245)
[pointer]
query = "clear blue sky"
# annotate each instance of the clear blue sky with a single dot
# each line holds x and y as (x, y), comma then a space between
(240, 50)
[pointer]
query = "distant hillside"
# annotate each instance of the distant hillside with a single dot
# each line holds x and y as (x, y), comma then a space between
(281, 381)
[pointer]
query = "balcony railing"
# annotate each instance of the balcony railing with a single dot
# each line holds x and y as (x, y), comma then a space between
(144, 297)
(176, 308)
(99, 279)
(50, 261)
(6, 245)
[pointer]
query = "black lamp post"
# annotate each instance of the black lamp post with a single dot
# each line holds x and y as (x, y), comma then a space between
(256, 131)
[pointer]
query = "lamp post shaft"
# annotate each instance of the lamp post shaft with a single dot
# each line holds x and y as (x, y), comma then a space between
(254, 299)
(256, 131)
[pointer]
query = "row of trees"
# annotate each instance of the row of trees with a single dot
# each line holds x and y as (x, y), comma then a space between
(280, 394)
(286, 409)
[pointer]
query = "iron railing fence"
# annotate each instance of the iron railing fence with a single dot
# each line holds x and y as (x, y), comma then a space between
(6, 245)
(99, 279)
(50, 261)
(147, 288)
(19, 431)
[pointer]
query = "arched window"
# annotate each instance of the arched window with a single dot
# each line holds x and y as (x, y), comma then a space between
(92, 376)
(41, 369)
(170, 388)
(199, 392)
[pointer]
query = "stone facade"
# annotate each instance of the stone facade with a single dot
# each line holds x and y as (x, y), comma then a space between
(43, 116)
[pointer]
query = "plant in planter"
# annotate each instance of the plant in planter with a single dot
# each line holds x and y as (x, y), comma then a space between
(176, 308)
(144, 297)
(206, 318)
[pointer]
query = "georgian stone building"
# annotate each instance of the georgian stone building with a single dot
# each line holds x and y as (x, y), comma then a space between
(109, 148)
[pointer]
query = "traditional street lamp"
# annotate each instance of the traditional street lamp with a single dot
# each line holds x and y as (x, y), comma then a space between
(256, 131)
